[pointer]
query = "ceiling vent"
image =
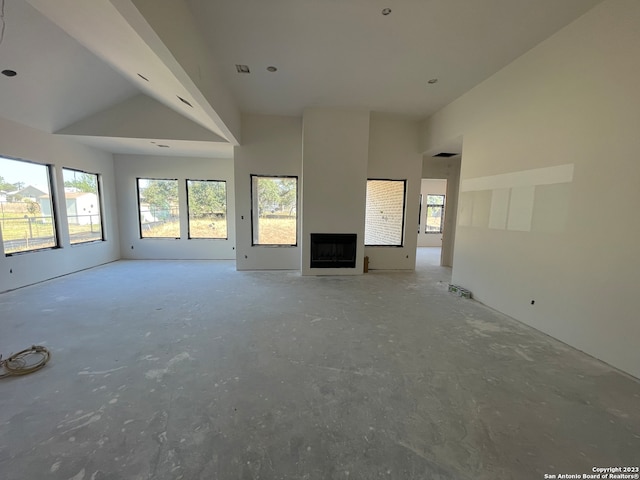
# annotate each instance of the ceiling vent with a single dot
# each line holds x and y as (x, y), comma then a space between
(445, 154)
(242, 68)
(184, 101)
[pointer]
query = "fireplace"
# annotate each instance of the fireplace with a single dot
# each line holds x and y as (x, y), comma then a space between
(333, 250)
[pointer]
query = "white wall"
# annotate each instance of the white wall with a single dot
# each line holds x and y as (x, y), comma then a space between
(272, 145)
(130, 167)
(335, 157)
(431, 187)
(570, 243)
(18, 270)
(393, 154)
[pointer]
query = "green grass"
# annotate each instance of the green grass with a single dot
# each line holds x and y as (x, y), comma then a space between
(277, 231)
(198, 228)
(272, 231)
(15, 226)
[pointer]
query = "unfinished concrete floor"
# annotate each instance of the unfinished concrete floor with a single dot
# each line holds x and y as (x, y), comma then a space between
(191, 370)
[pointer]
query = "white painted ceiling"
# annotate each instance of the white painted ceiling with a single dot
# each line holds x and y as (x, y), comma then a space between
(59, 81)
(74, 66)
(346, 53)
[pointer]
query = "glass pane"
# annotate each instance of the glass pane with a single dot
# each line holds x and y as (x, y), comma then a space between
(384, 216)
(26, 210)
(82, 198)
(207, 201)
(434, 219)
(274, 210)
(159, 211)
(435, 199)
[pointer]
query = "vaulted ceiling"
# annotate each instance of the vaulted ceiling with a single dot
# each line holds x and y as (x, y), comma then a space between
(125, 75)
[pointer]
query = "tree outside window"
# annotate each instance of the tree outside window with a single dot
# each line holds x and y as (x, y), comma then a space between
(27, 217)
(158, 208)
(274, 216)
(83, 206)
(435, 214)
(207, 205)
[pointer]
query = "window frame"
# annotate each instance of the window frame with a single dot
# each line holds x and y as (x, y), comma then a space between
(100, 206)
(140, 212)
(441, 206)
(255, 216)
(420, 214)
(50, 173)
(404, 213)
(226, 214)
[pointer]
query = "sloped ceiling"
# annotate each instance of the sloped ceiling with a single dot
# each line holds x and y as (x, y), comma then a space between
(84, 67)
(59, 81)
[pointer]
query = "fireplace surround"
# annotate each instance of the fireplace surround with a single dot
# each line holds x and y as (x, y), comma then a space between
(333, 250)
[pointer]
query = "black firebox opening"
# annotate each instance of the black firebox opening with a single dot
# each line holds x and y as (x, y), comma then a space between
(333, 250)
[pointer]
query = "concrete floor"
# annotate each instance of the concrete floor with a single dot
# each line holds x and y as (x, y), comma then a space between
(191, 370)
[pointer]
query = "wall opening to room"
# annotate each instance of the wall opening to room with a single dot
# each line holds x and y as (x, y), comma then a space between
(433, 198)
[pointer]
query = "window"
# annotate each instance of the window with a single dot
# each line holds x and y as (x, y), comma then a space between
(435, 214)
(273, 213)
(27, 217)
(384, 217)
(207, 206)
(82, 198)
(158, 206)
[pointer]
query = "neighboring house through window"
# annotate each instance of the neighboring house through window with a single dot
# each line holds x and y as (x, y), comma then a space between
(158, 208)
(83, 205)
(27, 215)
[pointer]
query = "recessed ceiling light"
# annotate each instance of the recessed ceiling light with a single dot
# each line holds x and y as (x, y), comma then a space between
(432, 81)
(272, 69)
(242, 68)
(143, 77)
(9, 73)
(386, 11)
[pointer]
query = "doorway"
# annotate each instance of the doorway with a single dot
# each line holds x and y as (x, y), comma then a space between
(433, 198)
